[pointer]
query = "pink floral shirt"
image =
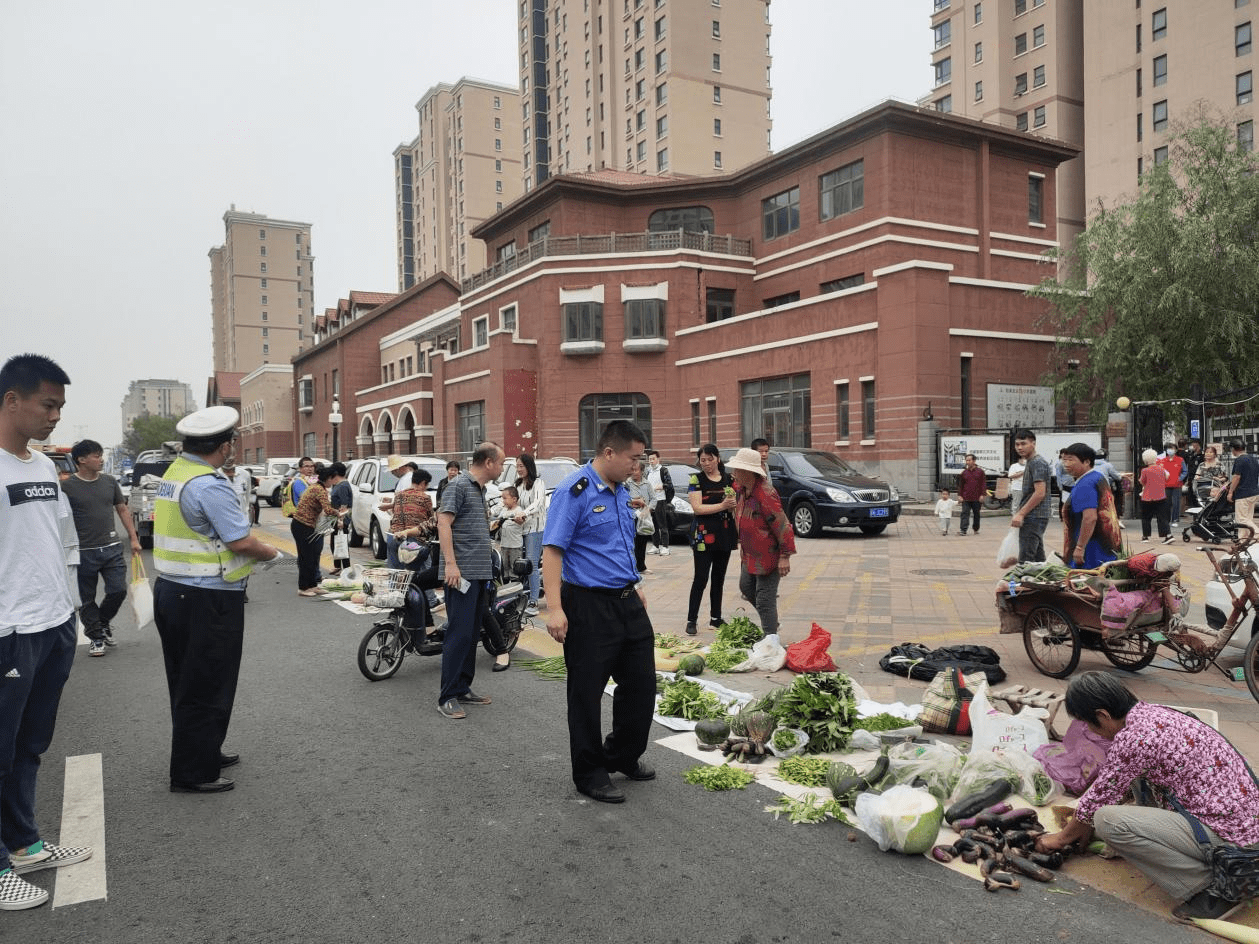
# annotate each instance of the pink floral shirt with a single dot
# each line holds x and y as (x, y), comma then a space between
(1185, 757)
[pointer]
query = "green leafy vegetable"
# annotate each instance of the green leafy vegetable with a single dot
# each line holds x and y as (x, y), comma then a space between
(821, 704)
(723, 660)
(806, 771)
(724, 777)
(685, 698)
(881, 722)
(785, 739)
(808, 810)
(738, 633)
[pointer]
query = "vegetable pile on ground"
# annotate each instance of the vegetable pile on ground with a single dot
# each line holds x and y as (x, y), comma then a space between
(808, 810)
(821, 704)
(732, 643)
(806, 771)
(881, 722)
(1001, 839)
(683, 698)
(552, 668)
(724, 777)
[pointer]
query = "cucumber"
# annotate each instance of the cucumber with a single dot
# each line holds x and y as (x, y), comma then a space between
(977, 802)
(874, 776)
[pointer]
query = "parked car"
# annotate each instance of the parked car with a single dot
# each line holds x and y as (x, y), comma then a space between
(146, 476)
(550, 471)
(275, 474)
(820, 490)
(681, 515)
(1219, 604)
(371, 482)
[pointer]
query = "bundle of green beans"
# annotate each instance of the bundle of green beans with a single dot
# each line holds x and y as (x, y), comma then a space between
(552, 668)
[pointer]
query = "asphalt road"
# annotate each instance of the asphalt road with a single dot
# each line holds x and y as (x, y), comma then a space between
(361, 814)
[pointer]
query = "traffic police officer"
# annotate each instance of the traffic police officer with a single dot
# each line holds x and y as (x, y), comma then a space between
(600, 615)
(203, 551)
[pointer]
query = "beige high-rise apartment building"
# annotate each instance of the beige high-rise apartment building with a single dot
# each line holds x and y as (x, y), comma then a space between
(461, 169)
(156, 398)
(1151, 66)
(646, 86)
(261, 291)
(1019, 64)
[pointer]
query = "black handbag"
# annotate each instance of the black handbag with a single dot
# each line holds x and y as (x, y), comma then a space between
(1234, 869)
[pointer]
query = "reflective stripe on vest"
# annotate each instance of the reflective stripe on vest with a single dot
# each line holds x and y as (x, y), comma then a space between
(180, 551)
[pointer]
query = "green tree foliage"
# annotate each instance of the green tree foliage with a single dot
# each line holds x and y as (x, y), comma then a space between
(1162, 293)
(149, 432)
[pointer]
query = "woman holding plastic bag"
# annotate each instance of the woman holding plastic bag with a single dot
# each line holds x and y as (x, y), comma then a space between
(766, 541)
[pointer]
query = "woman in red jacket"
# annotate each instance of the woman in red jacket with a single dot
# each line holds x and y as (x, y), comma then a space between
(766, 541)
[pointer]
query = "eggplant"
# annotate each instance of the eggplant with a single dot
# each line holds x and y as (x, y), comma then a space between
(1048, 860)
(979, 801)
(999, 880)
(943, 853)
(1029, 868)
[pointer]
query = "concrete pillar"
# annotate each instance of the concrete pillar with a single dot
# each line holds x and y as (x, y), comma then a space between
(928, 460)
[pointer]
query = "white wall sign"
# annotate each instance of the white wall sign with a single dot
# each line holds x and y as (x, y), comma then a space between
(989, 453)
(1011, 405)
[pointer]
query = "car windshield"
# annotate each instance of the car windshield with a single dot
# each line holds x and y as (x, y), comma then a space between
(819, 465)
(280, 468)
(552, 472)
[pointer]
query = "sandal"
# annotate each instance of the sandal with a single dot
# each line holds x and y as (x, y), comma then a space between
(308, 593)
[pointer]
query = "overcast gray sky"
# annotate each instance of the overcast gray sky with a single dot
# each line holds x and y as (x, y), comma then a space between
(129, 128)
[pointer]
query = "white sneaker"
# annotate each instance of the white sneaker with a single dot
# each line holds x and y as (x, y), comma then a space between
(96, 647)
(48, 855)
(664, 552)
(16, 893)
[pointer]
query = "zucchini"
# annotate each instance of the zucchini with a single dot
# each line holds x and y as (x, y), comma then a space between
(977, 802)
(874, 776)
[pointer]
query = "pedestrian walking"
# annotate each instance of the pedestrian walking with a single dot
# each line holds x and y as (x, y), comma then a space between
(241, 483)
(600, 616)
(1017, 468)
(1210, 477)
(972, 486)
(466, 568)
(713, 536)
(944, 510)
(1031, 514)
(37, 631)
(341, 495)
(766, 541)
(662, 493)
(641, 494)
(1174, 463)
(532, 492)
(1243, 486)
(1154, 486)
(203, 551)
(97, 501)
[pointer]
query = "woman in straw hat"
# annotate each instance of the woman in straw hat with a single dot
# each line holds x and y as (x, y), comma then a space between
(766, 541)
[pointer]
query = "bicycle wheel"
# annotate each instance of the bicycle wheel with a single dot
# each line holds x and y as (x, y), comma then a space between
(1132, 653)
(381, 652)
(1250, 666)
(1052, 641)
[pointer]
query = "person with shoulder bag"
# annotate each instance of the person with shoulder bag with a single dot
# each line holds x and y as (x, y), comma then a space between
(714, 535)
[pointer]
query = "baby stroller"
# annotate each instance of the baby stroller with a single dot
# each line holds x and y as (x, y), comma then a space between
(1212, 519)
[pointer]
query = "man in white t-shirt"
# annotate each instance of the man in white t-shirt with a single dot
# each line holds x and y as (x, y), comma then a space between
(37, 628)
(1016, 483)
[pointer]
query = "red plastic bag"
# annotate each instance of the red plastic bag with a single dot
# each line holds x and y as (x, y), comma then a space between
(810, 655)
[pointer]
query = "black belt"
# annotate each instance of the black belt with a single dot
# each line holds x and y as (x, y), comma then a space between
(619, 592)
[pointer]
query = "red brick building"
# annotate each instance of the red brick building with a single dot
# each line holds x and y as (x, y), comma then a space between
(828, 296)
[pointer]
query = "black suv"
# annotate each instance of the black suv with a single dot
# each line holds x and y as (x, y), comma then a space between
(820, 490)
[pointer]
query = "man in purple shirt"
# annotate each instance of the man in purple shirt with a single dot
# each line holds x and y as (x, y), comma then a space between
(1177, 755)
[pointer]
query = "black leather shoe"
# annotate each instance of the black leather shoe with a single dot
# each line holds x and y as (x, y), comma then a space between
(501, 667)
(605, 793)
(641, 771)
(228, 760)
(212, 786)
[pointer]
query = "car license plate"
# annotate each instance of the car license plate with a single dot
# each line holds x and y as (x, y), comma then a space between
(878, 512)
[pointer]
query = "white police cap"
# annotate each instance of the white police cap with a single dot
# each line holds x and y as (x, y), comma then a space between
(212, 421)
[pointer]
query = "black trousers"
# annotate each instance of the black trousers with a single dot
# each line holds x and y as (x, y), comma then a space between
(970, 514)
(710, 571)
(608, 638)
(308, 554)
(1159, 510)
(202, 634)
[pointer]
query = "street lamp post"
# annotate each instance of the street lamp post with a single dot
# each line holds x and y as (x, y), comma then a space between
(335, 419)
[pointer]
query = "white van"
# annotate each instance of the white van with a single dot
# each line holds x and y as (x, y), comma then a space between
(274, 474)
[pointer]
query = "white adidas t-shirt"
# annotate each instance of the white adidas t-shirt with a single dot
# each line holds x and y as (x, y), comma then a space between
(34, 589)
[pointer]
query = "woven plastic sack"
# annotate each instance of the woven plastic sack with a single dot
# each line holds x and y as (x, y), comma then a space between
(810, 655)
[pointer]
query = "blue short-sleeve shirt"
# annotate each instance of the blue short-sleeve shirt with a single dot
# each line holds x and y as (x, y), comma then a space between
(594, 526)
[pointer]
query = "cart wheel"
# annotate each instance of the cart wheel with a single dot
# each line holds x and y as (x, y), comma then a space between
(1187, 535)
(1132, 653)
(1052, 641)
(1250, 666)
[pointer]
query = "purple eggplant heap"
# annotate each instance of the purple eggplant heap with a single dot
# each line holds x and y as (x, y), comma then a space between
(1001, 839)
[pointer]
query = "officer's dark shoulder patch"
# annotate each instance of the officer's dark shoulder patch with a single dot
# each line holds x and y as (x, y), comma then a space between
(579, 486)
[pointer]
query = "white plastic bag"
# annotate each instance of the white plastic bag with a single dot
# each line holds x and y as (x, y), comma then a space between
(766, 656)
(341, 546)
(997, 730)
(1008, 552)
(903, 818)
(141, 593)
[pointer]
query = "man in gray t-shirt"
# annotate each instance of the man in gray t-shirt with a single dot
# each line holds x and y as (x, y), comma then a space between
(466, 568)
(97, 500)
(1032, 515)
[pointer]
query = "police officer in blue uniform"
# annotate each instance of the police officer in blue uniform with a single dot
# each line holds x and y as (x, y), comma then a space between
(600, 614)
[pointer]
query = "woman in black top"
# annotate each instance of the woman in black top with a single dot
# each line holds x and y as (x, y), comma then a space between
(711, 494)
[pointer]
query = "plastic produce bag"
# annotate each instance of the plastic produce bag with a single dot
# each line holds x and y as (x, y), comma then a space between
(1008, 552)
(904, 819)
(994, 729)
(1023, 771)
(141, 593)
(766, 656)
(1075, 762)
(810, 655)
(939, 764)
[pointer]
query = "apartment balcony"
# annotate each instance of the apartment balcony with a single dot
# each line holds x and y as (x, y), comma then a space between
(611, 244)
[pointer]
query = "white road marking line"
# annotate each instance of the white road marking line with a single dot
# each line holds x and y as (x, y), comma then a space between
(82, 824)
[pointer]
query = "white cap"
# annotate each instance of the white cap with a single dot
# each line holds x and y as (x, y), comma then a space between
(212, 421)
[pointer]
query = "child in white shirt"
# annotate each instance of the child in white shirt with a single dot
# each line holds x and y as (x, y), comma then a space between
(944, 510)
(510, 532)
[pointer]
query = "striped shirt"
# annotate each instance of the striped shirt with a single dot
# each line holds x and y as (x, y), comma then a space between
(470, 530)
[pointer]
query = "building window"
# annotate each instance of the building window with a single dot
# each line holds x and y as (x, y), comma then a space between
(481, 332)
(1020, 44)
(1020, 7)
(641, 151)
(842, 191)
(262, 250)
(263, 266)
(660, 28)
(719, 304)
(867, 409)
(1160, 70)
(306, 393)
(498, 186)
(717, 94)
(1140, 127)
(979, 13)
(264, 283)
(716, 62)
(717, 127)
(695, 429)
(716, 29)
(979, 91)
(1160, 115)
(583, 321)
(471, 424)
(662, 60)
(944, 104)
(778, 409)
(1020, 84)
(1241, 39)
(979, 52)
(841, 411)
(1035, 199)
(266, 349)
(1020, 121)
(944, 71)
(965, 392)
(507, 318)
(712, 420)
(696, 219)
(644, 318)
(942, 33)
(640, 90)
(264, 316)
(1038, 116)
(1160, 155)
(717, 160)
(597, 410)
(266, 332)
(1245, 88)
(262, 234)
(540, 232)
(1038, 77)
(1158, 24)
(1245, 140)
(940, 5)
(1138, 83)
(662, 93)
(839, 285)
(1038, 36)
(779, 300)
(641, 120)
(662, 126)
(780, 214)
(662, 160)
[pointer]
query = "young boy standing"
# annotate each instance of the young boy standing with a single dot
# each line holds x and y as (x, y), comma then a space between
(944, 510)
(511, 538)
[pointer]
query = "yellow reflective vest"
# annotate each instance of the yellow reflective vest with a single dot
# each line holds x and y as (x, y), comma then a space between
(178, 550)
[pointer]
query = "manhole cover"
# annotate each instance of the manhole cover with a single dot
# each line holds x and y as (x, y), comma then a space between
(940, 572)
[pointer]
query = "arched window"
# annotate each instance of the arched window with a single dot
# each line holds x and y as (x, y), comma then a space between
(695, 219)
(597, 410)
